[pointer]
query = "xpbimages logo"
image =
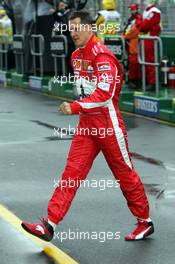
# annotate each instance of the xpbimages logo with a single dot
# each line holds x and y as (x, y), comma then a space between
(102, 132)
(103, 78)
(101, 236)
(103, 28)
(101, 184)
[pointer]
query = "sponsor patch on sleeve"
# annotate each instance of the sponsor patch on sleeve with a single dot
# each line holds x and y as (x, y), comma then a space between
(104, 86)
(103, 66)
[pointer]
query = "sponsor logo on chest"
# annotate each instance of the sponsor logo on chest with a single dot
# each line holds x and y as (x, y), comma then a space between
(77, 65)
(103, 66)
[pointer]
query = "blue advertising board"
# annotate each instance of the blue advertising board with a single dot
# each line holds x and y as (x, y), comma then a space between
(146, 106)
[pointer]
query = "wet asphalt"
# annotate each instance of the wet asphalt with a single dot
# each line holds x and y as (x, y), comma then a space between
(32, 157)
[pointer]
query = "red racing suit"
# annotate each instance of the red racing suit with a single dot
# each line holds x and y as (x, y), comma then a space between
(150, 25)
(134, 66)
(99, 80)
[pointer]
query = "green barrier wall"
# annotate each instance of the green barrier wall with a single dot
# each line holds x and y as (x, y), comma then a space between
(169, 47)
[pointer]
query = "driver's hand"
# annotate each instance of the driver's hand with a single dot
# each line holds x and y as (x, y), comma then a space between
(65, 108)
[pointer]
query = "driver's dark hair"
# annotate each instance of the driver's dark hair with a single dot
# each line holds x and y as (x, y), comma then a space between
(85, 17)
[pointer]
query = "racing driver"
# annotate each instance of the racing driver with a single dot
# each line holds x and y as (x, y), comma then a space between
(98, 81)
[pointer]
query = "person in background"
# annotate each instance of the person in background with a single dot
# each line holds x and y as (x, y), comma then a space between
(108, 17)
(150, 26)
(5, 26)
(134, 75)
(8, 7)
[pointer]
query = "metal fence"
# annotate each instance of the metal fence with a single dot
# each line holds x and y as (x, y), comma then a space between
(4, 47)
(37, 51)
(158, 51)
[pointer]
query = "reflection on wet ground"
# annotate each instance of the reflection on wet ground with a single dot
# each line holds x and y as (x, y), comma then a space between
(34, 157)
(43, 124)
(55, 128)
(16, 248)
(66, 134)
(154, 190)
(158, 192)
(147, 159)
(55, 138)
(6, 112)
(130, 122)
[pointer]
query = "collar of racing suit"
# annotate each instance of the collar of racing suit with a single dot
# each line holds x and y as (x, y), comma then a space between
(89, 45)
(135, 16)
(149, 7)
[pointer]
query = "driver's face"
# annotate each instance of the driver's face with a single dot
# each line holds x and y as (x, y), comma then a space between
(80, 33)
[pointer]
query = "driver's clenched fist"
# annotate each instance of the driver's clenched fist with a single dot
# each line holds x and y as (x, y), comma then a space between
(65, 108)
